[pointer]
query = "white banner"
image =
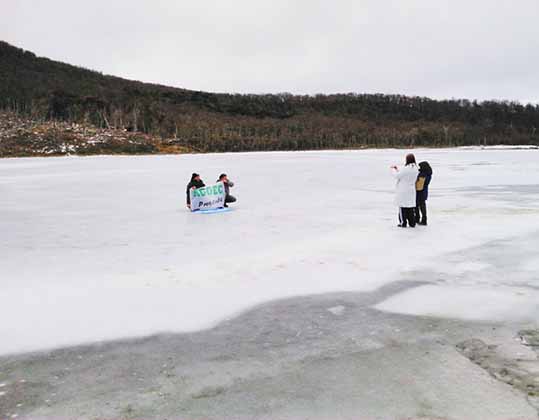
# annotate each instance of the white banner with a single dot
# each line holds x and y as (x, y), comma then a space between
(206, 198)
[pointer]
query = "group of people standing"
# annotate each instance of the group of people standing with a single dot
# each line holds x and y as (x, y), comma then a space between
(412, 191)
(196, 182)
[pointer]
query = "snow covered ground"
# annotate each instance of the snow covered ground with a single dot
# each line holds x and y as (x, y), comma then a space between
(99, 248)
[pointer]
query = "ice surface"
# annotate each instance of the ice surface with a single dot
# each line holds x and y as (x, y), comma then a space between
(99, 248)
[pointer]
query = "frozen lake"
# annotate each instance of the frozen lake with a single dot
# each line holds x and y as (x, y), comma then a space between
(99, 248)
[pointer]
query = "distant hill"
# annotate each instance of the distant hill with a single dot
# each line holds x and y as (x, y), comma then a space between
(45, 90)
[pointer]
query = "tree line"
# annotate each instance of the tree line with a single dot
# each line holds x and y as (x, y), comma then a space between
(50, 90)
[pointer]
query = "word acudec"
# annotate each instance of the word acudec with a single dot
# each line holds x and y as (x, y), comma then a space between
(216, 189)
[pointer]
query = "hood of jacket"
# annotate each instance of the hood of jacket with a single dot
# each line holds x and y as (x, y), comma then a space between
(424, 169)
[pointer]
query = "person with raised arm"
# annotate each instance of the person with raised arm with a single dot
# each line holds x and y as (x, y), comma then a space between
(228, 184)
(405, 198)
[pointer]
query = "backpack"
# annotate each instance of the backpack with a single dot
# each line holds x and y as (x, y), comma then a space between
(420, 183)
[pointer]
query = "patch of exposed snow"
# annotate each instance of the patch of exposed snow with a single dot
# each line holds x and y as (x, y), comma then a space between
(337, 310)
(483, 304)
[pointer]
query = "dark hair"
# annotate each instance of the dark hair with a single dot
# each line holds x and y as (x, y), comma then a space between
(425, 167)
(221, 176)
(194, 175)
(410, 158)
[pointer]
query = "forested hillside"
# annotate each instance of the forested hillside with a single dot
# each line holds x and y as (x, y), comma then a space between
(46, 90)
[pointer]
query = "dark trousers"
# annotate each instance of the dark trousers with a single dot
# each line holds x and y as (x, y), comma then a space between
(407, 216)
(421, 212)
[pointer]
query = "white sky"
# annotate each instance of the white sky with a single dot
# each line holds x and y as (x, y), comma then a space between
(477, 49)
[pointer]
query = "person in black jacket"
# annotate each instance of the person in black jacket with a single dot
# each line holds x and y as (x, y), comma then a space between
(228, 184)
(195, 183)
(422, 192)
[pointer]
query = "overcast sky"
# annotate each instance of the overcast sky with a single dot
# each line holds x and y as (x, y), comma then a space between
(477, 49)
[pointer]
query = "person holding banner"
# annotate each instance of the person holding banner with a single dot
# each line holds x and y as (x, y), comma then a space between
(228, 184)
(195, 183)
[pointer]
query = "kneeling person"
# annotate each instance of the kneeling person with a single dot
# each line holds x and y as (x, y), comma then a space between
(228, 184)
(195, 183)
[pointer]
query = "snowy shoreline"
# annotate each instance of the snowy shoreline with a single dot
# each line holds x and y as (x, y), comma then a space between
(366, 149)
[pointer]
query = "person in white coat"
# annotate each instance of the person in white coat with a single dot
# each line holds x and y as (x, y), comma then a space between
(406, 191)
